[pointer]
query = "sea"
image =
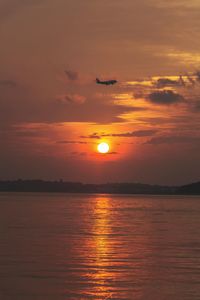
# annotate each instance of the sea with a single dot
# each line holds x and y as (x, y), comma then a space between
(99, 246)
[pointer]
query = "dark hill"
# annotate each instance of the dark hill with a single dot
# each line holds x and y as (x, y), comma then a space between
(189, 189)
(108, 188)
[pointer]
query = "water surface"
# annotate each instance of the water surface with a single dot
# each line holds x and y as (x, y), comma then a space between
(61, 246)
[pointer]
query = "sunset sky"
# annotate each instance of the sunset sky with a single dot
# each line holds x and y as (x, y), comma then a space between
(53, 114)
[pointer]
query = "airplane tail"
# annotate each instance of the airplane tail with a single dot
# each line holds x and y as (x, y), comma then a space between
(97, 80)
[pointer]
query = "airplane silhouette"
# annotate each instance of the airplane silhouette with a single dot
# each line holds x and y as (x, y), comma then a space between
(107, 82)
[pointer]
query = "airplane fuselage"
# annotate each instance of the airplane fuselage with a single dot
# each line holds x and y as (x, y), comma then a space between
(107, 82)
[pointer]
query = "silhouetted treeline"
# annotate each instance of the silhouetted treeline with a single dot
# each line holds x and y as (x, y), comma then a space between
(189, 189)
(110, 188)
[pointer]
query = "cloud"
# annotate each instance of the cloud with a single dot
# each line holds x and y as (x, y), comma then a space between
(66, 108)
(138, 133)
(8, 83)
(75, 98)
(112, 153)
(163, 82)
(142, 86)
(71, 142)
(197, 74)
(173, 140)
(166, 97)
(91, 136)
(71, 75)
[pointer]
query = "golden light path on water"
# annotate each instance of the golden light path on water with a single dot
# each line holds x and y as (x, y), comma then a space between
(103, 246)
(112, 256)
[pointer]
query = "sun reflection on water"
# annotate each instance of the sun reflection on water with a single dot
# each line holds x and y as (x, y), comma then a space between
(110, 253)
(117, 255)
(102, 232)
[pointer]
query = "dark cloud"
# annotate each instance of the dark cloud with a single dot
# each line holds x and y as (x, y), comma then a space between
(112, 153)
(138, 133)
(71, 142)
(191, 80)
(8, 83)
(166, 97)
(173, 140)
(72, 75)
(197, 74)
(91, 136)
(164, 82)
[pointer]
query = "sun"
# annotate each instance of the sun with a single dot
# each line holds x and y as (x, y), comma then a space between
(103, 148)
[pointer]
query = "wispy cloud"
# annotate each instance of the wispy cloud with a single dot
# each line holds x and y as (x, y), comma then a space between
(91, 136)
(173, 140)
(138, 133)
(112, 153)
(197, 74)
(75, 98)
(168, 82)
(71, 75)
(71, 142)
(185, 80)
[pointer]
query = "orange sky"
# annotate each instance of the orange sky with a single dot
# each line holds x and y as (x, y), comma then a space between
(53, 114)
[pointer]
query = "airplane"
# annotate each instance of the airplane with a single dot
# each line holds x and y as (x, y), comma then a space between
(108, 82)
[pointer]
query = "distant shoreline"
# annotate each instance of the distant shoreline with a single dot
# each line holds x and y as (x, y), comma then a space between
(38, 186)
